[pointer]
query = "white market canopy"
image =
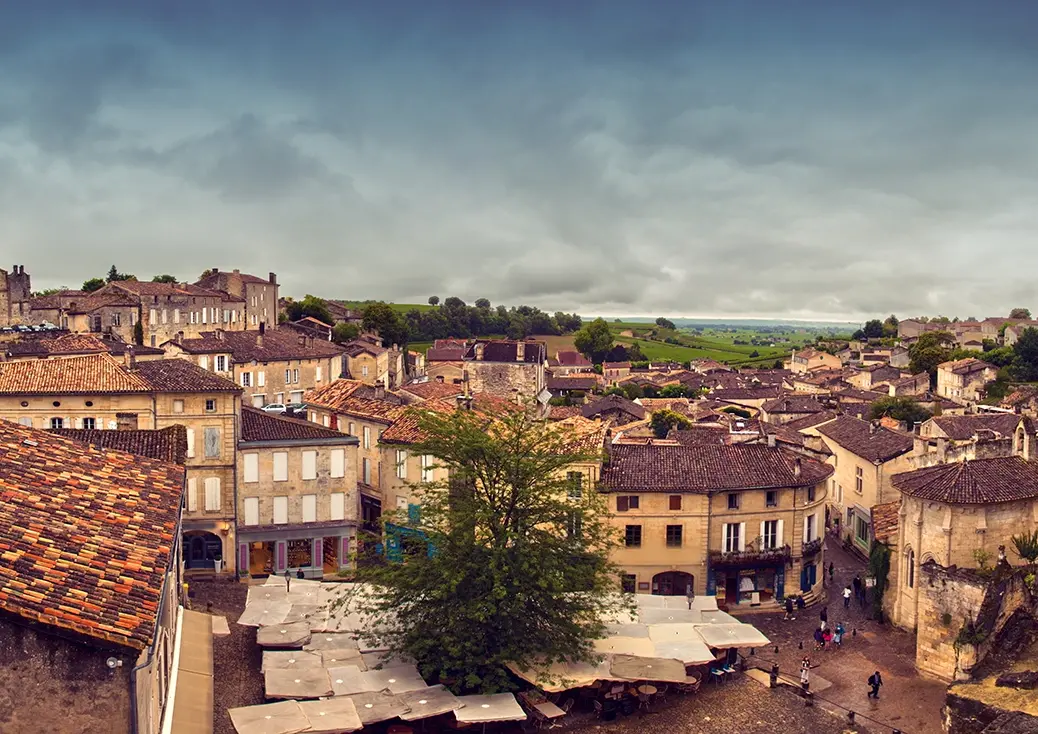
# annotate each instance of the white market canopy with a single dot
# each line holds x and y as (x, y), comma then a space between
(485, 709)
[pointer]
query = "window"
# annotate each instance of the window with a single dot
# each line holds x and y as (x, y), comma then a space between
(89, 424)
(190, 443)
(117, 319)
(252, 510)
(154, 340)
(152, 317)
(626, 502)
(338, 463)
(910, 569)
(203, 362)
(401, 503)
(27, 422)
(258, 401)
(221, 363)
(427, 467)
(165, 315)
(810, 494)
(326, 421)
(212, 494)
(280, 466)
(364, 371)
(251, 468)
(367, 437)
(210, 406)
(246, 379)
(633, 536)
(295, 377)
(673, 536)
(769, 535)
(353, 429)
(810, 528)
(337, 510)
(288, 377)
(861, 530)
(192, 495)
(733, 501)
(401, 464)
(734, 537)
(574, 525)
(261, 378)
(280, 510)
(629, 582)
(675, 502)
(57, 422)
(366, 471)
(576, 484)
(771, 498)
(317, 373)
(212, 442)
(309, 508)
(178, 406)
(176, 315)
(859, 480)
(309, 465)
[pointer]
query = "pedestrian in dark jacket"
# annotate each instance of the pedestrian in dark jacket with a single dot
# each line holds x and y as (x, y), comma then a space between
(824, 614)
(789, 608)
(875, 681)
(819, 639)
(857, 587)
(832, 570)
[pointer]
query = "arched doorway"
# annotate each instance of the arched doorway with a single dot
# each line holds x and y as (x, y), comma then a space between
(672, 583)
(202, 550)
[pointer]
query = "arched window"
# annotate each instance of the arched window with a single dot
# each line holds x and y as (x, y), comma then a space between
(910, 570)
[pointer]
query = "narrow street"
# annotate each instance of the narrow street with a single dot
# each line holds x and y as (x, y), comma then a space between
(907, 701)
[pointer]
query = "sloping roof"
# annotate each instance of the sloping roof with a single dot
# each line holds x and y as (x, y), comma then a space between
(64, 343)
(810, 421)
(746, 393)
(406, 428)
(862, 439)
(340, 396)
(258, 425)
(145, 288)
(965, 366)
(616, 365)
(612, 402)
(215, 281)
(885, 519)
(432, 389)
(165, 444)
(572, 382)
(85, 534)
(963, 427)
(501, 350)
(792, 404)
(678, 405)
(181, 376)
(571, 358)
(277, 345)
(90, 374)
(562, 412)
(978, 482)
(702, 435)
(583, 436)
(697, 468)
(445, 354)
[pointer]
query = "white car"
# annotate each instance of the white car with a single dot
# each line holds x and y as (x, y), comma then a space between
(274, 408)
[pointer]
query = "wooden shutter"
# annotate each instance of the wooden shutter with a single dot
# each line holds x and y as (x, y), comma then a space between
(282, 556)
(337, 510)
(309, 508)
(804, 538)
(633, 501)
(763, 538)
(309, 465)
(622, 503)
(252, 510)
(212, 442)
(251, 468)
(213, 502)
(280, 510)
(742, 536)
(338, 463)
(261, 378)
(243, 556)
(779, 540)
(190, 443)
(280, 466)
(192, 495)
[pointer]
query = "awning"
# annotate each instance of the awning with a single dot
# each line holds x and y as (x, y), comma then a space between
(485, 709)
(192, 679)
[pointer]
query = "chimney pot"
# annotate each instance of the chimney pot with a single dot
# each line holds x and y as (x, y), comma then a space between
(771, 440)
(796, 467)
(216, 271)
(273, 279)
(236, 271)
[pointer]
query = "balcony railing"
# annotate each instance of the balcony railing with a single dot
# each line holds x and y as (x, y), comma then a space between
(781, 554)
(812, 547)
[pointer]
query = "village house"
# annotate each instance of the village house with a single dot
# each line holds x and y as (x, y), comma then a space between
(259, 295)
(417, 392)
(964, 380)
(97, 392)
(613, 372)
(871, 376)
(616, 409)
(270, 366)
(909, 330)
(568, 362)
(575, 385)
(371, 363)
(167, 310)
(746, 397)
(742, 521)
(864, 458)
(809, 360)
(112, 314)
(911, 386)
(60, 343)
(950, 515)
(1013, 331)
(309, 326)
(503, 368)
(1023, 400)
(789, 408)
(298, 501)
(899, 358)
(819, 382)
(91, 626)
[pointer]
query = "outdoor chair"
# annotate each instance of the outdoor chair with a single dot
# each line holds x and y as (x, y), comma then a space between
(599, 710)
(661, 692)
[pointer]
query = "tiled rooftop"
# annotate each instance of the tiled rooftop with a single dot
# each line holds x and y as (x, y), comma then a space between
(698, 468)
(165, 444)
(861, 438)
(612, 402)
(432, 389)
(275, 345)
(90, 374)
(792, 404)
(339, 396)
(978, 482)
(181, 376)
(85, 535)
(258, 425)
(963, 427)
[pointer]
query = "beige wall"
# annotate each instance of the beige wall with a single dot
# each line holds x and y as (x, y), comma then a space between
(451, 372)
(73, 409)
(369, 449)
(306, 374)
(962, 387)
(875, 485)
(261, 304)
(396, 478)
(505, 379)
(370, 369)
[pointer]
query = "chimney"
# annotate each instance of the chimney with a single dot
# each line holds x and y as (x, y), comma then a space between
(273, 279)
(178, 338)
(380, 391)
(236, 271)
(796, 467)
(259, 337)
(131, 359)
(873, 427)
(464, 402)
(479, 351)
(771, 440)
(520, 352)
(918, 446)
(216, 271)
(218, 333)
(942, 450)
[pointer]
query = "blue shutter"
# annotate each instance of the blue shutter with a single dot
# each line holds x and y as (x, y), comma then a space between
(413, 514)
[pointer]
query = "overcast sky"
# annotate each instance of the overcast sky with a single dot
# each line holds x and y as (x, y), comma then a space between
(795, 158)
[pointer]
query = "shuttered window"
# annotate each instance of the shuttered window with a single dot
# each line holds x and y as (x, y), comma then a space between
(280, 466)
(280, 510)
(337, 511)
(338, 463)
(190, 443)
(252, 510)
(212, 442)
(309, 508)
(213, 502)
(251, 467)
(192, 495)
(309, 465)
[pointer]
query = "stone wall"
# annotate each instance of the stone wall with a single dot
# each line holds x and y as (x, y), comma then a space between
(505, 379)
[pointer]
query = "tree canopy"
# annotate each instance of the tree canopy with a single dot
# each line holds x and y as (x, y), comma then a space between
(114, 274)
(517, 570)
(1020, 313)
(932, 348)
(873, 329)
(390, 325)
(453, 318)
(164, 279)
(665, 323)
(663, 420)
(900, 409)
(344, 332)
(311, 306)
(434, 300)
(93, 284)
(594, 340)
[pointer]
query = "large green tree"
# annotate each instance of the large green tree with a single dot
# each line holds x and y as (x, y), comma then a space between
(518, 570)
(932, 348)
(900, 409)
(164, 279)
(1020, 313)
(311, 306)
(1025, 360)
(390, 325)
(873, 329)
(663, 420)
(93, 284)
(594, 340)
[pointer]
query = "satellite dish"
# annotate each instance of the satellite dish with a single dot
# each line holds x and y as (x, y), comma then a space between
(114, 663)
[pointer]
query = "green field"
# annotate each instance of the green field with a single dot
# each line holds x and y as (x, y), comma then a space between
(401, 307)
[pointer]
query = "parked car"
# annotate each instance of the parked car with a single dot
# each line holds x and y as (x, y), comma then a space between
(299, 408)
(274, 408)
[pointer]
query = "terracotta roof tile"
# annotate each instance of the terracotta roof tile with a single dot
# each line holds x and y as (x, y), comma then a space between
(861, 439)
(339, 396)
(562, 412)
(746, 393)
(181, 376)
(697, 468)
(91, 374)
(573, 382)
(793, 404)
(165, 444)
(704, 435)
(85, 534)
(277, 345)
(570, 358)
(885, 520)
(405, 429)
(612, 402)
(432, 389)
(978, 482)
(965, 366)
(258, 425)
(963, 427)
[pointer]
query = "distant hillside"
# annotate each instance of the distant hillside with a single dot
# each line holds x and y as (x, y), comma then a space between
(746, 323)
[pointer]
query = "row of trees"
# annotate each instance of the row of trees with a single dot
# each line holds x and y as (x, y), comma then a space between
(876, 329)
(455, 319)
(92, 284)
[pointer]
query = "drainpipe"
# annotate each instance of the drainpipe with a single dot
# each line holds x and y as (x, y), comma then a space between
(709, 517)
(234, 480)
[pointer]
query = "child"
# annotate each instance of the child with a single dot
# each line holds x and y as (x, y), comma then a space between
(819, 639)
(827, 638)
(838, 635)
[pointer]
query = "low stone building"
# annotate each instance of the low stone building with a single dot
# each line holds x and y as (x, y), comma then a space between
(618, 410)
(789, 408)
(743, 522)
(613, 372)
(809, 360)
(964, 380)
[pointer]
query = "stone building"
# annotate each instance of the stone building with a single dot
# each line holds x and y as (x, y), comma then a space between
(614, 372)
(809, 360)
(742, 521)
(298, 502)
(110, 314)
(371, 363)
(864, 457)
(58, 344)
(90, 587)
(789, 408)
(502, 368)
(15, 294)
(270, 366)
(963, 380)
(618, 410)
(259, 295)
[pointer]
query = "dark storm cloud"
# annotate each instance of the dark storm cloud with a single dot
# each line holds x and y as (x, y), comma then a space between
(803, 158)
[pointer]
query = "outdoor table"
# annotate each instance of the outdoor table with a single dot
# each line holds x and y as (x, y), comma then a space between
(647, 690)
(547, 711)
(718, 675)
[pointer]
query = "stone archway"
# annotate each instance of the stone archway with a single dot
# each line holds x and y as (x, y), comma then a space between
(672, 583)
(202, 550)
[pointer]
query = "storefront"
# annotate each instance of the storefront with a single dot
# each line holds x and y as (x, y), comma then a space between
(748, 578)
(316, 549)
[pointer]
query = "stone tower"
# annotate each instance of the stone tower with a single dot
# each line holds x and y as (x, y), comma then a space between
(15, 291)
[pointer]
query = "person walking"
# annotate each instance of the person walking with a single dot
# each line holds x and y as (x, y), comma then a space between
(875, 681)
(857, 586)
(789, 609)
(819, 639)
(824, 614)
(805, 673)
(838, 634)
(827, 638)
(847, 597)
(832, 570)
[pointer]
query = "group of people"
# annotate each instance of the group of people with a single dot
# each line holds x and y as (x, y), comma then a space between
(859, 592)
(827, 637)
